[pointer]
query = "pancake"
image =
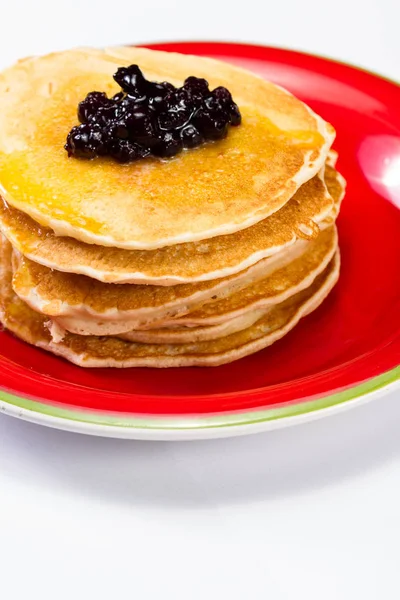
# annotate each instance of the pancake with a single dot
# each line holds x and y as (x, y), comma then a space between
(185, 263)
(73, 302)
(85, 305)
(113, 352)
(173, 335)
(279, 285)
(332, 158)
(241, 309)
(271, 290)
(336, 184)
(120, 308)
(217, 189)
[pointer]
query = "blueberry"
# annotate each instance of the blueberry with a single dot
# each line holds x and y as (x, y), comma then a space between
(91, 105)
(131, 80)
(128, 105)
(224, 98)
(168, 87)
(157, 103)
(196, 89)
(140, 123)
(219, 130)
(186, 99)
(191, 137)
(105, 114)
(125, 151)
(156, 90)
(173, 119)
(157, 93)
(85, 141)
(121, 130)
(234, 113)
(168, 146)
(196, 83)
(213, 126)
(212, 104)
(139, 116)
(222, 94)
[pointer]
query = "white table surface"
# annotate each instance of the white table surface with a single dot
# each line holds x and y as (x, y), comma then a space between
(309, 512)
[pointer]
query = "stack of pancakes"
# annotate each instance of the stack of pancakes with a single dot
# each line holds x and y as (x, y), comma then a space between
(197, 260)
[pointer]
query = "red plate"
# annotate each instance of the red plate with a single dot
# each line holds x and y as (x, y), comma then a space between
(339, 355)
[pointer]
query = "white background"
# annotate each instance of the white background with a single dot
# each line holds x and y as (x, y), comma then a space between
(311, 512)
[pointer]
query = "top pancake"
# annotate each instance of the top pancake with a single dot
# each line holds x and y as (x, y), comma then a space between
(217, 189)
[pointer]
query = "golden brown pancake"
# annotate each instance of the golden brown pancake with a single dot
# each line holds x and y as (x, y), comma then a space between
(336, 184)
(185, 263)
(268, 291)
(217, 189)
(88, 306)
(114, 308)
(91, 308)
(189, 335)
(262, 295)
(332, 158)
(113, 352)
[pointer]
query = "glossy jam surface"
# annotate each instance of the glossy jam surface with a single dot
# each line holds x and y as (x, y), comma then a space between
(354, 336)
(150, 118)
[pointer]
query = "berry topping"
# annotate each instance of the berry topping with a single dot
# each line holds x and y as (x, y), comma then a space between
(191, 137)
(149, 118)
(86, 141)
(131, 80)
(91, 104)
(125, 151)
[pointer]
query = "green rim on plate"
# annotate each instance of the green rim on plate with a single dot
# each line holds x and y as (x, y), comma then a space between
(205, 422)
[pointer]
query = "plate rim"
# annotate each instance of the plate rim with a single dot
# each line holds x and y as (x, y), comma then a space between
(224, 424)
(175, 427)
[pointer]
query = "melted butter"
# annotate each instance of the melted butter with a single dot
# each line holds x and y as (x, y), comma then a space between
(307, 140)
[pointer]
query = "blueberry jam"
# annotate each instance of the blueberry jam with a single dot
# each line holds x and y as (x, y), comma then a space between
(148, 118)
